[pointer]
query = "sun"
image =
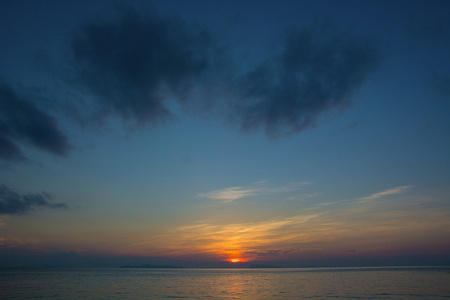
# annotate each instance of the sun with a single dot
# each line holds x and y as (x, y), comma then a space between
(235, 260)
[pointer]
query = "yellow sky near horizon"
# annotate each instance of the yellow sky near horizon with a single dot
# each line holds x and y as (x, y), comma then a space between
(384, 221)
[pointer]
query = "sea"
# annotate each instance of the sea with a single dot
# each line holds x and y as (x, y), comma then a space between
(283, 283)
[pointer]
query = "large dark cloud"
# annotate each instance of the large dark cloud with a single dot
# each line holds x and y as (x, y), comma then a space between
(133, 63)
(21, 121)
(316, 72)
(12, 203)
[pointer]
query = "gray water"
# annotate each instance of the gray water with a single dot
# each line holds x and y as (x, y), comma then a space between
(306, 283)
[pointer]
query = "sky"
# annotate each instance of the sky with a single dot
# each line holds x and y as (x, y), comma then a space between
(288, 133)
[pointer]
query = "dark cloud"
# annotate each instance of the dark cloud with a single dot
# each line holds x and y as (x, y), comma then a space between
(133, 63)
(12, 203)
(316, 72)
(22, 121)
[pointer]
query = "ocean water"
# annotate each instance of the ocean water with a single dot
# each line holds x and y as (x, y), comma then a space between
(303, 283)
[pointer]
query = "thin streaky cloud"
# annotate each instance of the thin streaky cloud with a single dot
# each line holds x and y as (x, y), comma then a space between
(259, 188)
(229, 194)
(315, 228)
(393, 191)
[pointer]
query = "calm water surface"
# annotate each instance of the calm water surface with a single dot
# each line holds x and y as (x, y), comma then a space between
(320, 283)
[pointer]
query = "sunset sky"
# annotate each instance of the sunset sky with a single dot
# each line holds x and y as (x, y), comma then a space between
(205, 131)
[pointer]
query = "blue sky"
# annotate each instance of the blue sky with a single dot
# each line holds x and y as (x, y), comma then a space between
(211, 130)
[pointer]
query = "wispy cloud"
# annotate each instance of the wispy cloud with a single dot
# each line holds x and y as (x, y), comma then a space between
(360, 225)
(393, 191)
(210, 237)
(230, 194)
(259, 188)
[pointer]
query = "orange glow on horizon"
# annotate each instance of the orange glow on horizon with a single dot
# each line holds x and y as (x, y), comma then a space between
(237, 260)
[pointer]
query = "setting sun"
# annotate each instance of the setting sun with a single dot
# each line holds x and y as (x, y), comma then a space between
(235, 260)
